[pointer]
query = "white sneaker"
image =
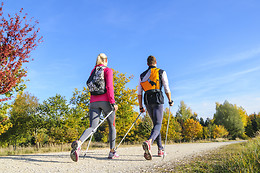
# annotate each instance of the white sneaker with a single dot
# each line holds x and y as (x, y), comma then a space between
(112, 155)
(74, 154)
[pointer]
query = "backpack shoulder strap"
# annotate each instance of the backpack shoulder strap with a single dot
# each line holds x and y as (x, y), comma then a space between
(91, 75)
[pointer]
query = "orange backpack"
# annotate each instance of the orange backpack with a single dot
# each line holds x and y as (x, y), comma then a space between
(153, 82)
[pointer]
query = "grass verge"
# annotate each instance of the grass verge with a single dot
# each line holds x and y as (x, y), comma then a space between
(241, 157)
(47, 149)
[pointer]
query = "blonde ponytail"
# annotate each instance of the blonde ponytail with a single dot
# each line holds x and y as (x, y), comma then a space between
(101, 58)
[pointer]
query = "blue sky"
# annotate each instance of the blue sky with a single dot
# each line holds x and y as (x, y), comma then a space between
(209, 49)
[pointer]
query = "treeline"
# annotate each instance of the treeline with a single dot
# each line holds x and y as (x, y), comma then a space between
(27, 122)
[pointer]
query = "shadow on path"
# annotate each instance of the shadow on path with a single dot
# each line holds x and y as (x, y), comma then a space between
(114, 160)
(36, 158)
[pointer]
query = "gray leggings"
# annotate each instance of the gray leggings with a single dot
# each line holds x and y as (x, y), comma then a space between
(156, 113)
(94, 114)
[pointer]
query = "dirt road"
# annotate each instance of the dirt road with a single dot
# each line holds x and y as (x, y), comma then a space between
(131, 159)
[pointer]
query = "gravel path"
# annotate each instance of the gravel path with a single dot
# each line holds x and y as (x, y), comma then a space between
(131, 159)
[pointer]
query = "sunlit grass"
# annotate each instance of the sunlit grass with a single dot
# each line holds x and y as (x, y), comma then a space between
(47, 148)
(242, 157)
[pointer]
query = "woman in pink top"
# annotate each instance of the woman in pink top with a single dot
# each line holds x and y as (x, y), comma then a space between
(100, 102)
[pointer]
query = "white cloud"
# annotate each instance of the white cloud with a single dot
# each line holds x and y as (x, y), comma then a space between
(199, 85)
(246, 71)
(230, 59)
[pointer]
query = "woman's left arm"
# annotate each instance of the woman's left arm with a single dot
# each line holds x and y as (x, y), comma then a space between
(109, 84)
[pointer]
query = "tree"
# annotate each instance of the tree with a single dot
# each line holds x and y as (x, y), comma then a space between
(208, 121)
(195, 116)
(81, 99)
(18, 37)
(253, 124)
(202, 122)
(243, 115)
(23, 118)
(228, 116)
(210, 126)
(5, 122)
(55, 111)
(192, 129)
(205, 133)
(219, 131)
(184, 112)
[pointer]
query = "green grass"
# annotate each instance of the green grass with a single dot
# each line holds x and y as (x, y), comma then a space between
(242, 157)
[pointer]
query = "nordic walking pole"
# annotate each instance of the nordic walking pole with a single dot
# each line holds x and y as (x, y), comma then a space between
(128, 131)
(167, 132)
(88, 145)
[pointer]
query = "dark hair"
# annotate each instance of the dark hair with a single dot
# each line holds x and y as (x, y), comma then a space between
(151, 60)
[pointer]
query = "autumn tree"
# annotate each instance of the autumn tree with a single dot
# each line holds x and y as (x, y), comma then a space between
(192, 129)
(228, 116)
(195, 116)
(183, 113)
(18, 37)
(23, 116)
(219, 131)
(243, 115)
(208, 128)
(5, 122)
(205, 132)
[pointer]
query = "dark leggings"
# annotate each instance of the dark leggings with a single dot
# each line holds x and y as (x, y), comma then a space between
(156, 113)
